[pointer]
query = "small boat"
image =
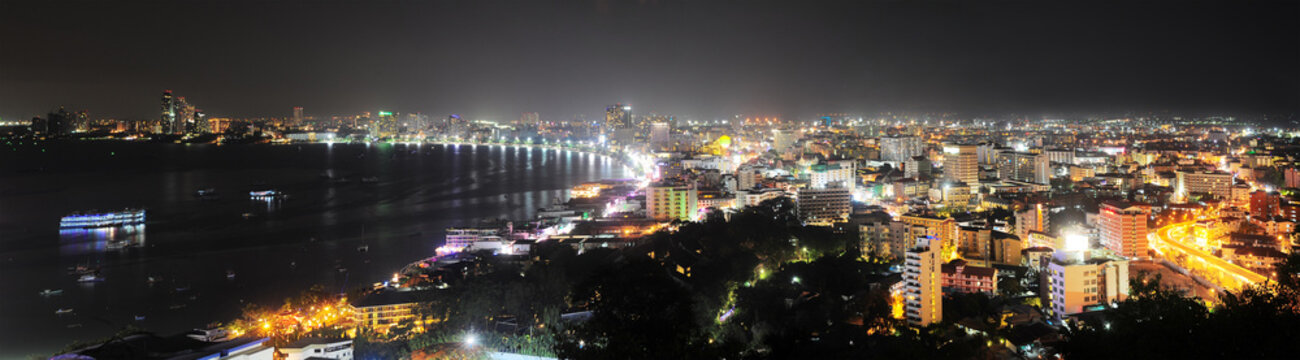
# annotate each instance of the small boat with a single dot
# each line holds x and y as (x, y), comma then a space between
(77, 325)
(363, 248)
(183, 288)
(90, 278)
(139, 318)
(81, 270)
(230, 275)
(205, 192)
(48, 292)
(63, 311)
(249, 215)
(154, 279)
(369, 180)
(176, 306)
(342, 269)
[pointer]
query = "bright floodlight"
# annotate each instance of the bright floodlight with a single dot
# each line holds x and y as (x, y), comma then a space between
(471, 339)
(1076, 242)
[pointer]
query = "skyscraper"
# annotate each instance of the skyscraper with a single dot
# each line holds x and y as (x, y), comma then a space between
(659, 134)
(168, 110)
(961, 163)
(297, 115)
(184, 119)
(618, 128)
(618, 116)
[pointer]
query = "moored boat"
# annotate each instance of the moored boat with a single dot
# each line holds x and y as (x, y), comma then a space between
(95, 219)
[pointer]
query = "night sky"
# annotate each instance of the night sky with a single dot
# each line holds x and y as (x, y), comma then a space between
(696, 59)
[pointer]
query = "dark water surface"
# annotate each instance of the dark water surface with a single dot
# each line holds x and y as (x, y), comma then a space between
(279, 250)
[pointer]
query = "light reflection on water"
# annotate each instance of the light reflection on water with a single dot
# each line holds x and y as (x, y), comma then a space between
(87, 241)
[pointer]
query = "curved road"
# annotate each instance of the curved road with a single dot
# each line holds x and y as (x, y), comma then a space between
(1164, 236)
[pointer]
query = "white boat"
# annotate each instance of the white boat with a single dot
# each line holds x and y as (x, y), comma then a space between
(90, 278)
(265, 195)
(48, 292)
(93, 219)
(63, 311)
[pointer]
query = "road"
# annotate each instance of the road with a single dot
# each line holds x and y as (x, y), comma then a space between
(1164, 239)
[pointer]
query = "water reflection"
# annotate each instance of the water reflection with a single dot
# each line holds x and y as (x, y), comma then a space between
(86, 241)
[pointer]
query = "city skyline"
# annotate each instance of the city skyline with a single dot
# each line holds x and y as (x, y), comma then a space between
(703, 60)
(625, 179)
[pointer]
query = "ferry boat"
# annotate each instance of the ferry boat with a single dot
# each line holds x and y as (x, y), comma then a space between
(49, 292)
(63, 311)
(265, 195)
(90, 278)
(91, 219)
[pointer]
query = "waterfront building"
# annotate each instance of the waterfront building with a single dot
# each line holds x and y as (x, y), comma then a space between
(923, 289)
(168, 111)
(1124, 228)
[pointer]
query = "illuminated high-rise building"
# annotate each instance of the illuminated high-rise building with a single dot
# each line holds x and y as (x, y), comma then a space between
(297, 115)
(899, 149)
(1033, 218)
(184, 120)
(618, 116)
(922, 276)
(529, 119)
(1083, 280)
(385, 126)
(961, 163)
(1123, 228)
(1023, 166)
(168, 111)
(671, 201)
(659, 134)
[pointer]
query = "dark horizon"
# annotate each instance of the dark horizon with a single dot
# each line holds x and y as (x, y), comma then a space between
(700, 60)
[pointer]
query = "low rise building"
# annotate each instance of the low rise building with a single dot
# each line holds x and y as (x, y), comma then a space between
(960, 277)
